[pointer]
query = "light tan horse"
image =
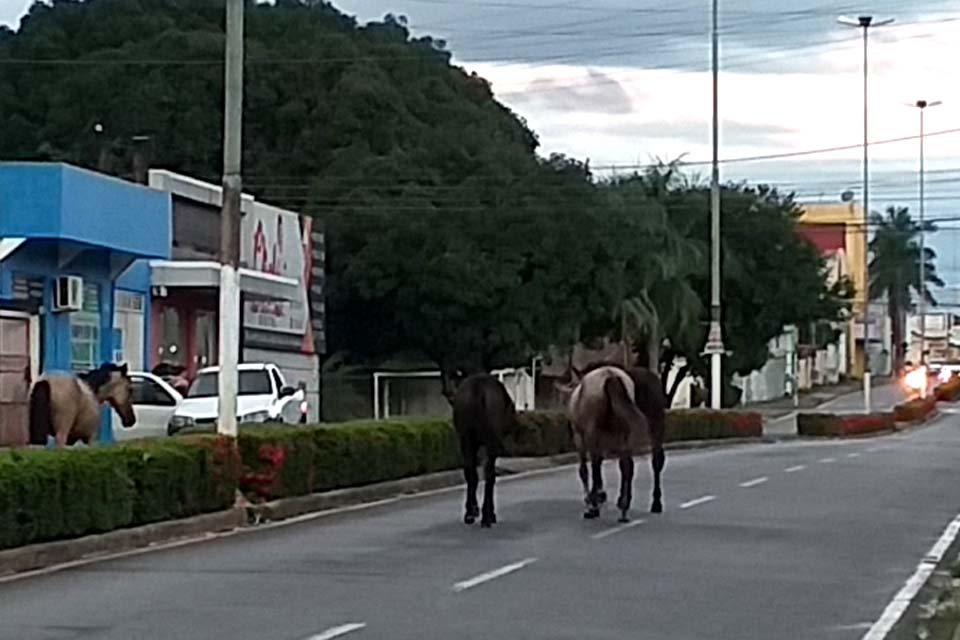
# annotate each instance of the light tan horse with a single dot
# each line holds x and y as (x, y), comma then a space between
(616, 413)
(68, 407)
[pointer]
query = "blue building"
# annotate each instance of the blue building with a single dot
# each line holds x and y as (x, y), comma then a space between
(71, 295)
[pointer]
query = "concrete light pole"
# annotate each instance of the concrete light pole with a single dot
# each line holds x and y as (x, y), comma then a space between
(230, 224)
(865, 22)
(922, 304)
(714, 347)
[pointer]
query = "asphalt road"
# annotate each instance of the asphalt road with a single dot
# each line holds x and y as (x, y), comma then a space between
(800, 540)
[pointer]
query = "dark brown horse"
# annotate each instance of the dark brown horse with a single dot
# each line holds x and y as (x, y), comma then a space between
(483, 414)
(68, 407)
(616, 412)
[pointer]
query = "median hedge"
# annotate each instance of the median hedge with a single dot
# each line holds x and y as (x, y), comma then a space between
(289, 461)
(915, 410)
(839, 425)
(48, 495)
(948, 391)
(54, 494)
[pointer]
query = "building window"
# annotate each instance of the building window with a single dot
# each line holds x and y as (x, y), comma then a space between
(85, 331)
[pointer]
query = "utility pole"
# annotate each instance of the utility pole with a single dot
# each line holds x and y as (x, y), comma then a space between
(865, 22)
(714, 347)
(230, 223)
(922, 291)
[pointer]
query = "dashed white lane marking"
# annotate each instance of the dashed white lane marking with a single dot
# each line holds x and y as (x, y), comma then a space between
(336, 632)
(693, 503)
(827, 460)
(754, 482)
(799, 467)
(914, 583)
(853, 455)
(492, 575)
(609, 532)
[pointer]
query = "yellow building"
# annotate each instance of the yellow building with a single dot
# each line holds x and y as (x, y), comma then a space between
(837, 229)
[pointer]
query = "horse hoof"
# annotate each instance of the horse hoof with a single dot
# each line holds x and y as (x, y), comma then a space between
(490, 519)
(486, 524)
(591, 514)
(656, 508)
(469, 518)
(623, 519)
(602, 497)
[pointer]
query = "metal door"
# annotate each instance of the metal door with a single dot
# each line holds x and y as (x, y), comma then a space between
(14, 379)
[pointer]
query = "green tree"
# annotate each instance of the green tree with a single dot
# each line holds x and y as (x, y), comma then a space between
(895, 269)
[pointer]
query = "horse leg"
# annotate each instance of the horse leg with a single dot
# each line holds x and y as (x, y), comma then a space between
(469, 453)
(626, 487)
(489, 516)
(597, 467)
(585, 477)
(593, 499)
(657, 460)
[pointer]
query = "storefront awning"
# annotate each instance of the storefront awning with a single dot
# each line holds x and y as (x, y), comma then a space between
(255, 285)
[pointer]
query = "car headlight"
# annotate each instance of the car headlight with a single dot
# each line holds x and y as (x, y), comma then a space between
(177, 423)
(255, 416)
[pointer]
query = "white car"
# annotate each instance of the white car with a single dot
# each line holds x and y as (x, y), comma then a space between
(262, 396)
(154, 403)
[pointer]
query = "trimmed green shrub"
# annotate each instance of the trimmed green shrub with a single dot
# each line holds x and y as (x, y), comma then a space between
(839, 425)
(539, 433)
(709, 424)
(914, 410)
(948, 391)
(289, 461)
(54, 494)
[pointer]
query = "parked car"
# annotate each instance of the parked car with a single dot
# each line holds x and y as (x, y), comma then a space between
(262, 396)
(154, 403)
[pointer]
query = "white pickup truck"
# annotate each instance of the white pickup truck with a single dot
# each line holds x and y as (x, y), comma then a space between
(262, 396)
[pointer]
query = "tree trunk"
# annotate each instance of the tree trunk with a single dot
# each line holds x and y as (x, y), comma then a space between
(653, 349)
(896, 328)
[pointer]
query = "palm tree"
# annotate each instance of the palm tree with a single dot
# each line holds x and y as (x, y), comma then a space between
(895, 269)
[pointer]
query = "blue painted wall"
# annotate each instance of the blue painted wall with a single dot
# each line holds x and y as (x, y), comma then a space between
(78, 222)
(40, 200)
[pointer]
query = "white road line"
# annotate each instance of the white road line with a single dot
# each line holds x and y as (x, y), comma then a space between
(799, 467)
(693, 503)
(914, 583)
(827, 460)
(609, 532)
(754, 482)
(336, 632)
(492, 575)
(853, 455)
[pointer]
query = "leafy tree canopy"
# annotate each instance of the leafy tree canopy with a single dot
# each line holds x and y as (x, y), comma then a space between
(447, 234)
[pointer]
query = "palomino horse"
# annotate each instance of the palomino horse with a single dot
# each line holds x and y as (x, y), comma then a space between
(482, 414)
(613, 412)
(68, 407)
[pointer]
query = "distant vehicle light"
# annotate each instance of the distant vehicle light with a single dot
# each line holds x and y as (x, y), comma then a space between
(916, 379)
(945, 375)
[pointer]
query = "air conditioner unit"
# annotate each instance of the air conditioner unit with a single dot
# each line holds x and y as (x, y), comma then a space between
(68, 294)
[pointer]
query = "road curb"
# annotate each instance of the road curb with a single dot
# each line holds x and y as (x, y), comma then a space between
(63, 552)
(47, 554)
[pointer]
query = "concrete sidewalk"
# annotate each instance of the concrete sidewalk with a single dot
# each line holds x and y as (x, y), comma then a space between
(812, 398)
(884, 396)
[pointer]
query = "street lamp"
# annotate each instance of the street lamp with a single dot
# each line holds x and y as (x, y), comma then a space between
(922, 106)
(865, 22)
(714, 347)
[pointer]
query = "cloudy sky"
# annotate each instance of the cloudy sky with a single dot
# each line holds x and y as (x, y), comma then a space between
(621, 82)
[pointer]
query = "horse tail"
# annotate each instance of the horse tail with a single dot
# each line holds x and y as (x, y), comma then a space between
(41, 424)
(623, 416)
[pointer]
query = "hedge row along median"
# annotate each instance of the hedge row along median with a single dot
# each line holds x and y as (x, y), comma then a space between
(837, 425)
(915, 410)
(948, 391)
(49, 495)
(289, 461)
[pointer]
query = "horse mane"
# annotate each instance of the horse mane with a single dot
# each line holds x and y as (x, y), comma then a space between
(100, 376)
